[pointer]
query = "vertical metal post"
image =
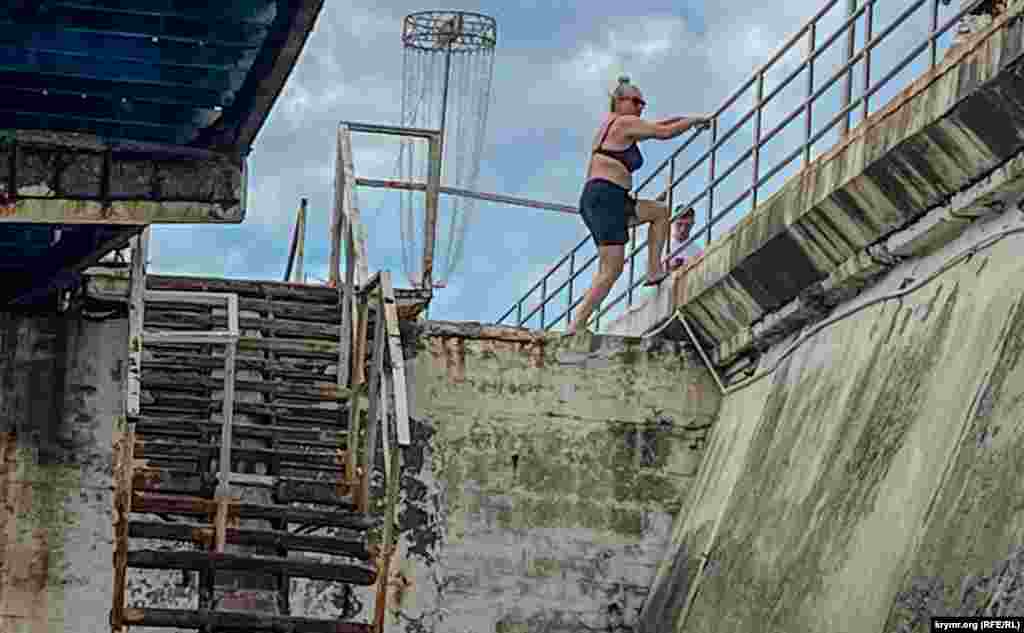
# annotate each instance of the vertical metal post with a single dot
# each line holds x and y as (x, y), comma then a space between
(933, 37)
(671, 184)
(572, 278)
(868, 34)
(136, 321)
(851, 44)
(632, 266)
(759, 97)
(519, 313)
(224, 480)
(436, 157)
(339, 215)
(808, 122)
(543, 298)
(300, 242)
(711, 181)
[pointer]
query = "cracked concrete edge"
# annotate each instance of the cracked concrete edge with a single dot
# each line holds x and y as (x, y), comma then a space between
(1001, 190)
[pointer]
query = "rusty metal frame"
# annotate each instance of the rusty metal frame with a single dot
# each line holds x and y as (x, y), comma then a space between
(432, 187)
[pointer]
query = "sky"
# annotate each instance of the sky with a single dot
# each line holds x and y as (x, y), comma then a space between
(554, 64)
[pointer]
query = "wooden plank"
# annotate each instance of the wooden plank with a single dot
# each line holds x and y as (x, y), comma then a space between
(214, 338)
(323, 392)
(174, 481)
(388, 549)
(341, 543)
(185, 505)
(338, 214)
(184, 320)
(237, 621)
(292, 370)
(211, 299)
(397, 358)
(136, 318)
(179, 407)
(258, 289)
(368, 456)
(303, 435)
(149, 448)
(293, 310)
(122, 497)
(352, 573)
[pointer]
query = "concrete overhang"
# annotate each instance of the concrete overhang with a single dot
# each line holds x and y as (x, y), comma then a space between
(952, 127)
(123, 114)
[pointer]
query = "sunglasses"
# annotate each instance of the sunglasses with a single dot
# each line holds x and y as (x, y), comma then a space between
(637, 101)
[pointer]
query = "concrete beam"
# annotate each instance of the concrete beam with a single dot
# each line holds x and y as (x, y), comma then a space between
(69, 178)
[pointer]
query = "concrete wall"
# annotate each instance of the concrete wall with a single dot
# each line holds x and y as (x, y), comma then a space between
(60, 402)
(871, 478)
(544, 480)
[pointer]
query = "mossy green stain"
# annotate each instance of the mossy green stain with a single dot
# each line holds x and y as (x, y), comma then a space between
(800, 538)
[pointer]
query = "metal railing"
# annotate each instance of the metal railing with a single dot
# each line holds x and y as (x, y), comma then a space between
(864, 14)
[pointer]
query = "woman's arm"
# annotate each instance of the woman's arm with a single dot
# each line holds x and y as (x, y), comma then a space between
(638, 129)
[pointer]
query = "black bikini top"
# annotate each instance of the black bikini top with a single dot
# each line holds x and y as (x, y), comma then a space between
(631, 158)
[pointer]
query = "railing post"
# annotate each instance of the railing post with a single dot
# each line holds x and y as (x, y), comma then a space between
(868, 28)
(808, 123)
(632, 266)
(572, 278)
(519, 313)
(851, 44)
(932, 38)
(671, 182)
(435, 148)
(543, 298)
(223, 491)
(711, 180)
(759, 92)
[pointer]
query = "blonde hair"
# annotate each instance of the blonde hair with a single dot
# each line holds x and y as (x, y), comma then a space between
(619, 92)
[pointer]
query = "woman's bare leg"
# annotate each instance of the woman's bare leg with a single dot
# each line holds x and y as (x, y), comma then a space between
(610, 259)
(658, 215)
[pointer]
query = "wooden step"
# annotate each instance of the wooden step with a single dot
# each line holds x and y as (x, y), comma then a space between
(192, 560)
(164, 404)
(282, 434)
(194, 381)
(309, 370)
(156, 503)
(298, 348)
(346, 543)
(232, 621)
(184, 320)
(278, 308)
(258, 289)
(324, 458)
(286, 489)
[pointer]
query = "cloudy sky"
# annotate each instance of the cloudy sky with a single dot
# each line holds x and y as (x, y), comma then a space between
(554, 64)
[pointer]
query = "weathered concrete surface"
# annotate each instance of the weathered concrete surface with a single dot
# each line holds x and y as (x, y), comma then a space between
(543, 480)
(67, 178)
(952, 126)
(871, 479)
(60, 404)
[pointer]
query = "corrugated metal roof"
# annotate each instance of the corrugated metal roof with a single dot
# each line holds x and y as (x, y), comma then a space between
(170, 71)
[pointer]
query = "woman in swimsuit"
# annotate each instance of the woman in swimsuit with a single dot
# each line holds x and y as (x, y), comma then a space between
(606, 205)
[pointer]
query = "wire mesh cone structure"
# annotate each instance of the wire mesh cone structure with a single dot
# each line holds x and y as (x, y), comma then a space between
(447, 68)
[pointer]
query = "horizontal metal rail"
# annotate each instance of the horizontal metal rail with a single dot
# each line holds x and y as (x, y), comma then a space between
(865, 13)
(466, 193)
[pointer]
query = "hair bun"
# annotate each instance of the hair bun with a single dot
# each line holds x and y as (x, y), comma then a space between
(623, 79)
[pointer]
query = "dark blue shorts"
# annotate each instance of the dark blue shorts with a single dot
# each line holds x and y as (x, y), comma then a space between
(607, 209)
